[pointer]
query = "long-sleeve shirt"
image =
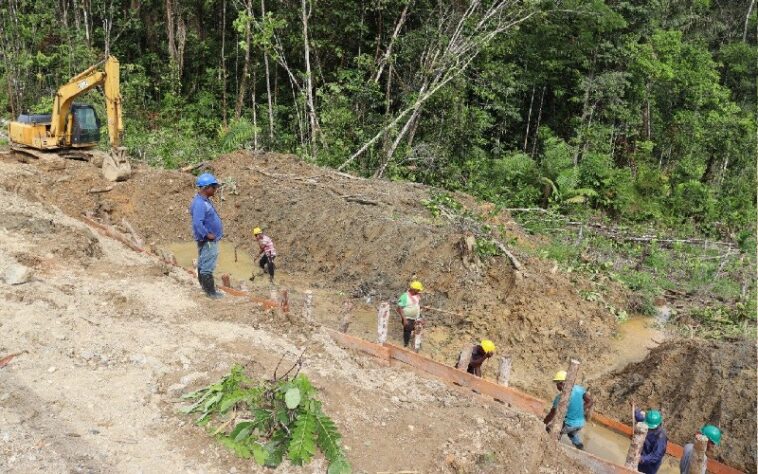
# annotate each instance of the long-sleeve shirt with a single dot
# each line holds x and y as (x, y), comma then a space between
(478, 356)
(653, 451)
(267, 245)
(205, 219)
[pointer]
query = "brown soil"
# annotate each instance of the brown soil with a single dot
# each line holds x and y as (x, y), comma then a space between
(342, 237)
(694, 383)
(372, 251)
(112, 338)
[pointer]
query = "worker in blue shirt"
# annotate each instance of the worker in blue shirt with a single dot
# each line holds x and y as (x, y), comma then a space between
(207, 230)
(656, 440)
(579, 406)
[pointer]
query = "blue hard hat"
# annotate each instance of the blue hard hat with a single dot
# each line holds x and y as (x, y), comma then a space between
(205, 179)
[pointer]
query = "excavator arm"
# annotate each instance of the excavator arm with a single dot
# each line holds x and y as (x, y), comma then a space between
(60, 126)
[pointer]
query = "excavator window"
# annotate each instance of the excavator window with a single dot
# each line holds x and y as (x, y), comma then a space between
(86, 126)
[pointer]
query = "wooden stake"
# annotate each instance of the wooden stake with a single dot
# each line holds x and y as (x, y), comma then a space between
(556, 425)
(464, 359)
(382, 322)
(225, 280)
(699, 458)
(308, 306)
(417, 330)
(284, 304)
(504, 375)
(347, 316)
(638, 440)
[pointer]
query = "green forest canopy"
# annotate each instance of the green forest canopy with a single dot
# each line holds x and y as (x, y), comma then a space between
(643, 110)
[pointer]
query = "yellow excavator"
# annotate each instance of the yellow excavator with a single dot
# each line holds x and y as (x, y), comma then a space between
(73, 130)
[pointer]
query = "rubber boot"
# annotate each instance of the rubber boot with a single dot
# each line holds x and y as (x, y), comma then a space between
(209, 286)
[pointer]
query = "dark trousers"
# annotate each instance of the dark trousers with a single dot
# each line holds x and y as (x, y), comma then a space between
(267, 261)
(410, 325)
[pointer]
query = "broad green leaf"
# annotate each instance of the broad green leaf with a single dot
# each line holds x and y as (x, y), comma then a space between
(292, 398)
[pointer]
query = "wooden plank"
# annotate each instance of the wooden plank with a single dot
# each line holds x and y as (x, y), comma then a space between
(356, 343)
(595, 464)
(509, 395)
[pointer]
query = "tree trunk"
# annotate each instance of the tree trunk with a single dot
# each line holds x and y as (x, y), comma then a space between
(699, 458)
(528, 120)
(747, 21)
(539, 119)
(245, 64)
(556, 424)
(504, 374)
(382, 322)
(308, 306)
(635, 448)
(347, 316)
(170, 30)
(224, 104)
(388, 53)
(268, 87)
(312, 120)
(464, 358)
(255, 114)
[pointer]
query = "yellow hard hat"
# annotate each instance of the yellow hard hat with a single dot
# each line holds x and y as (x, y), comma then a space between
(416, 285)
(560, 376)
(488, 346)
(257, 231)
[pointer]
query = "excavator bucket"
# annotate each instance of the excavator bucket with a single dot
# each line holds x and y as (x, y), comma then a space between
(116, 165)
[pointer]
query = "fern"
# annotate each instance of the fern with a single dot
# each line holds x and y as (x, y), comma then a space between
(328, 439)
(302, 446)
(273, 418)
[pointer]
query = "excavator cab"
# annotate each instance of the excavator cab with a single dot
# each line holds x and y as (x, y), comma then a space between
(73, 130)
(85, 126)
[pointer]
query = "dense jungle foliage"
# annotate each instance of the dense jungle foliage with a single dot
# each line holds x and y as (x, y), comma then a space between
(644, 110)
(632, 113)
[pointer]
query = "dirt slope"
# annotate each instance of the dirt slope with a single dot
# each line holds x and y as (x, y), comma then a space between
(348, 237)
(325, 234)
(112, 338)
(695, 382)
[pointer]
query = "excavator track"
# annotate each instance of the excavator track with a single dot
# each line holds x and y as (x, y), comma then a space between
(114, 165)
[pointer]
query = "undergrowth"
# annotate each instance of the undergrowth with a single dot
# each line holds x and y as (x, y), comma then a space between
(712, 280)
(268, 420)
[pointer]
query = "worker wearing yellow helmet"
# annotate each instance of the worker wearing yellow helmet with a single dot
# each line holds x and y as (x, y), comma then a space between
(409, 309)
(481, 352)
(579, 406)
(267, 253)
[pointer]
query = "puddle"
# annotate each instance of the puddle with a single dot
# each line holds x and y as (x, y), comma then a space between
(613, 447)
(636, 338)
(240, 269)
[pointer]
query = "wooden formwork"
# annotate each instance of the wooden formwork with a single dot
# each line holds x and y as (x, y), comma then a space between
(514, 397)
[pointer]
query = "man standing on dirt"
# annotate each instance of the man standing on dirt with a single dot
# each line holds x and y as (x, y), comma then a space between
(579, 406)
(409, 309)
(714, 439)
(267, 252)
(656, 440)
(208, 231)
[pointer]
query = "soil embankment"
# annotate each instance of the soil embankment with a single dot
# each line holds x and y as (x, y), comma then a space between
(109, 339)
(694, 383)
(344, 238)
(365, 238)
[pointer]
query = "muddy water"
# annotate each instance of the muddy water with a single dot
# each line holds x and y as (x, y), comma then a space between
(613, 447)
(635, 339)
(186, 253)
